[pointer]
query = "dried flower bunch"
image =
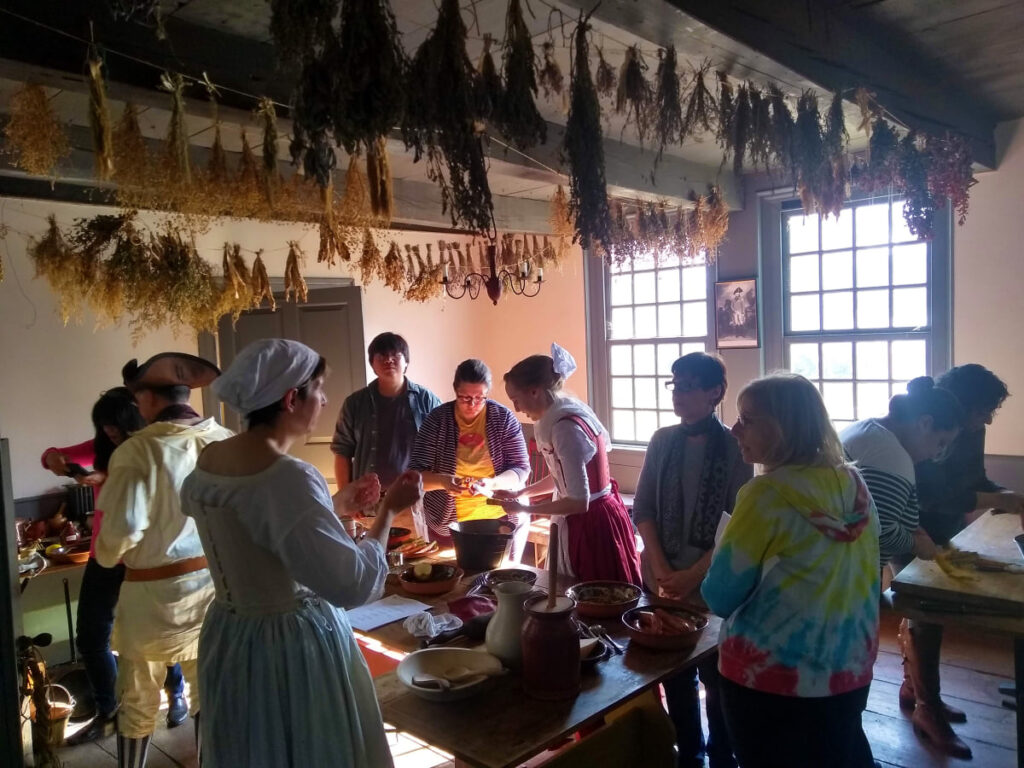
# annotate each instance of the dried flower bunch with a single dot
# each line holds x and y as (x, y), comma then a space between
(516, 115)
(550, 77)
(635, 96)
(701, 108)
(36, 140)
(668, 109)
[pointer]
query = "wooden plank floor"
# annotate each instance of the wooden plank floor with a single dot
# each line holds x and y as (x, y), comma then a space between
(973, 667)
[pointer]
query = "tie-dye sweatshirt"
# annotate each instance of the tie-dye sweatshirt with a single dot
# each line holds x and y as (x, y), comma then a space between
(796, 579)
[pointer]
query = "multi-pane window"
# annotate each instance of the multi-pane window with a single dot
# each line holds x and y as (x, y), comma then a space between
(655, 314)
(856, 306)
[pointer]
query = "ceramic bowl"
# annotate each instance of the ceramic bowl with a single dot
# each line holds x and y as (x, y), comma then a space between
(76, 552)
(502, 575)
(438, 661)
(398, 536)
(443, 578)
(604, 599)
(668, 640)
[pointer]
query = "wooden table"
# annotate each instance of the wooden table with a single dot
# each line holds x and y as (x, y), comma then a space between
(503, 727)
(994, 602)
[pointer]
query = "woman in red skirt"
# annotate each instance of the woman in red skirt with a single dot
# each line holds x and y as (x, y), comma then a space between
(596, 541)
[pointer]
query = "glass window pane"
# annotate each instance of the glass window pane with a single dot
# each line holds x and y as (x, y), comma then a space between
(899, 387)
(667, 418)
(837, 360)
(803, 233)
(693, 346)
(803, 359)
(622, 392)
(695, 318)
(804, 313)
(840, 425)
(668, 285)
(837, 310)
(836, 270)
(838, 396)
(621, 360)
(621, 290)
(695, 283)
(622, 323)
(803, 273)
(872, 360)
(669, 322)
(872, 224)
(910, 264)
(873, 309)
(643, 288)
(643, 360)
(622, 425)
(667, 354)
(900, 232)
(910, 307)
(664, 398)
(872, 267)
(645, 393)
(646, 424)
(909, 359)
(837, 232)
(872, 399)
(645, 322)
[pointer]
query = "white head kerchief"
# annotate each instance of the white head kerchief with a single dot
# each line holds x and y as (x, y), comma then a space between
(564, 363)
(263, 372)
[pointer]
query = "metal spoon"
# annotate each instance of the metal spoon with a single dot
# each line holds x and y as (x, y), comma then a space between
(603, 634)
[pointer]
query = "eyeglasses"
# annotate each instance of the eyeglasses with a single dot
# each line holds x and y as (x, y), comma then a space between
(675, 386)
(467, 400)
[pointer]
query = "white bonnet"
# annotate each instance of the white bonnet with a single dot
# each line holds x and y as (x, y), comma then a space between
(263, 371)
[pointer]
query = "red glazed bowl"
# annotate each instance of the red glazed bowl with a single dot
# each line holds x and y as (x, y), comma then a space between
(671, 641)
(443, 578)
(603, 599)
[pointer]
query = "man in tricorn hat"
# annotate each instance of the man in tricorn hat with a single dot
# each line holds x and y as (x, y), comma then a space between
(167, 586)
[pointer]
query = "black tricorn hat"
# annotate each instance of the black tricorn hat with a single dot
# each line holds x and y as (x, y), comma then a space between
(170, 369)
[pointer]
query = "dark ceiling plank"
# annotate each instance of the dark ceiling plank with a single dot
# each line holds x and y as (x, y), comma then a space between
(824, 44)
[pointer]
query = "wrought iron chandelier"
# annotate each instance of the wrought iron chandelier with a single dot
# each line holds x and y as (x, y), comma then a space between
(524, 281)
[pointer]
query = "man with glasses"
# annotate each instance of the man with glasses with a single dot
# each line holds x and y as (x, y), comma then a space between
(691, 475)
(378, 424)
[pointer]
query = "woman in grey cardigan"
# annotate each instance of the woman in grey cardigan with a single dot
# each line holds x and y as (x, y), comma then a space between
(690, 476)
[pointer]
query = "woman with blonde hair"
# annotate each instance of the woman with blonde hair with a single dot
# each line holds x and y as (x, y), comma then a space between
(597, 540)
(796, 578)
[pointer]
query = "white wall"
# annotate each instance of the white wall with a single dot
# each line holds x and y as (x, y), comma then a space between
(988, 284)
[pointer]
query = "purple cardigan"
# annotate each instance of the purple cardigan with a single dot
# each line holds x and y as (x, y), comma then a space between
(436, 447)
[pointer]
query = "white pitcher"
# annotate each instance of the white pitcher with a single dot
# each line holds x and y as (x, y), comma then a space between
(504, 632)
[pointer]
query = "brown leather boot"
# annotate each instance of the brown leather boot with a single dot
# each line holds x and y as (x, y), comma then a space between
(908, 698)
(922, 647)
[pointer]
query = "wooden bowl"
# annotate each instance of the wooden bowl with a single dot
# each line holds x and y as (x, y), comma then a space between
(443, 578)
(669, 641)
(77, 552)
(502, 575)
(604, 599)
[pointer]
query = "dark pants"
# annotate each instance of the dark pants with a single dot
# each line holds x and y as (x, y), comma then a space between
(683, 699)
(96, 601)
(773, 731)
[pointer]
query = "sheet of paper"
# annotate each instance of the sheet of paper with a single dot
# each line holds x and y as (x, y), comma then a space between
(384, 611)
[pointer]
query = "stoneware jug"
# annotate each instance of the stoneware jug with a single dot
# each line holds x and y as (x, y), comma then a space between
(504, 632)
(551, 650)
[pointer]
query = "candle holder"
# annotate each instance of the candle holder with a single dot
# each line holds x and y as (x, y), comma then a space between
(521, 282)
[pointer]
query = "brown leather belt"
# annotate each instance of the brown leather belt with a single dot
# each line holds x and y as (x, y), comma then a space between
(169, 571)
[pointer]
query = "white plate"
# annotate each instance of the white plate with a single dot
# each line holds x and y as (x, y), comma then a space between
(436, 661)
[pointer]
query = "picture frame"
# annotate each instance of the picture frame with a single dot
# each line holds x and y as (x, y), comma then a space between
(736, 314)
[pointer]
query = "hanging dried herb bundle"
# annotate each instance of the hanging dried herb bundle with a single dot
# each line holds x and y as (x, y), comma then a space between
(394, 269)
(949, 171)
(882, 157)
(99, 121)
(550, 76)
(378, 174)
(832, 195)
(919, 206)
(726, 112)
(584, 148)
(295, 288)
(868, 107)
(809, 156)
(55, 261)
(783, 129)
(516, 115)
(716, 222)
(427, 283)
(759, 145)
(700, 105)
(236, 293)
(634, 96)
(668, 121)
(176, 159)
(270, 177)
(187, 292)
(311, 122)
(492, 89)
(217, 164)
(300, 27)
(741, 126)
(133, 167)
(441, 121)
(36, 140)
(369, 69)
(605, 78)
(332, 245)
(354, 209)
(261, 284)
(371, 263)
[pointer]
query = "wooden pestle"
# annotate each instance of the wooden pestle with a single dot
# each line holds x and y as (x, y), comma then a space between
(552, 564)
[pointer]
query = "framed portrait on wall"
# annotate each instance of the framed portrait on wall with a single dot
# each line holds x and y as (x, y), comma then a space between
(736, 314)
